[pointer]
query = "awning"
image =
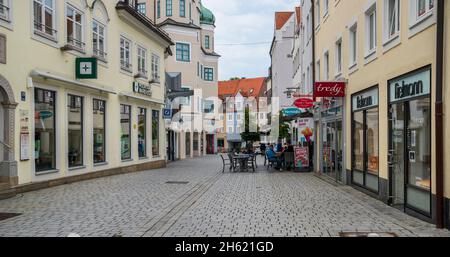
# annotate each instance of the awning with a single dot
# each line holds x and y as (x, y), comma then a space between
(60, 78)
(150, 100)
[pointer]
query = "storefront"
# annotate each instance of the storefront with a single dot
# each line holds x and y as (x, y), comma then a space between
(365, 139)
(410, 117)
(331, 143)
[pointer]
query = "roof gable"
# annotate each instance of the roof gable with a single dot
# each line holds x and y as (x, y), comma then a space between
(281, 18)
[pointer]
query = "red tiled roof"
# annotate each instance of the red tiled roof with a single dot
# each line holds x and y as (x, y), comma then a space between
(281, 18)
(298, 14)
(247, 87)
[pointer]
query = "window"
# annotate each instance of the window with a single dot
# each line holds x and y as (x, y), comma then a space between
(209, 74)
(158, 9)
(207, 42)
(198, 69)
(230, 117)
(125, 125)
(45, 18)
(208, 106)
(5, 10)
(325, 7)
(142, 61)
(125, 54)
(142, 135)
(318, 70)
(75, 131)
(98, 40)
(353, 45)
(391, 18)
(339, 57)
(75, 30)
(142, 8)
(182, 8)
(190, 11)
(183, 52)
(99, 122)
(371, 32)
(155, 133)
(168, 7)
(327, 66)
(424, 7)
(317, 13)
(155, 68)
(44, 130)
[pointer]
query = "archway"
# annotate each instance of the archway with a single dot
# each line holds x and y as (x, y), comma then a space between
(8, 164)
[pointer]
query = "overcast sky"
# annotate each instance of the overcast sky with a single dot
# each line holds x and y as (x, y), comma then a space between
(245, 21)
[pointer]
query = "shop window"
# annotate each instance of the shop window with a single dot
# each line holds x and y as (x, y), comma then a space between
(75, 130)
(188, 143)
(358, 140)
(142, 135)
(125, 123)
(44, 13)
(45, 129)
(99, 122)
(155, 133)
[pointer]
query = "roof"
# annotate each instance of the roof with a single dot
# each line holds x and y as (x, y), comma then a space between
(170, 21)
(206, 16)
(298, 14)
(281, 18)
(211, 54)
(252, 87)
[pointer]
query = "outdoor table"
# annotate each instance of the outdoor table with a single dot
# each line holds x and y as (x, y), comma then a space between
(243, 160)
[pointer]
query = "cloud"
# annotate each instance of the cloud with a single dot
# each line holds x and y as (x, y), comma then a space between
(245, 21)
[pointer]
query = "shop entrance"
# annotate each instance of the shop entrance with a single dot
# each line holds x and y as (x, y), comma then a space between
(410, 155)
(332, 146)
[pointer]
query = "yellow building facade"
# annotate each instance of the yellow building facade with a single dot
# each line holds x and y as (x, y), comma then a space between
(61, 123)
(380, 138)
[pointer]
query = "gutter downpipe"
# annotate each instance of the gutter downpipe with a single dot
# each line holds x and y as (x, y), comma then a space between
(439, 115)
(313, 41)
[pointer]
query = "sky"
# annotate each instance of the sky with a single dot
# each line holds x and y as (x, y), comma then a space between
(240, 22)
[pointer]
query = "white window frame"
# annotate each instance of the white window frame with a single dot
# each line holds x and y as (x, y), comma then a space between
(142, 59)
(326, 57)
(79, 43)
(428, 11)
(326, 7)
(418, 23)
(6, 13)
(338, 58)
(353, 45)
(318, 70)
(371, 12)
(317, 8)
(156, 68)
(102, 55)
(127, 63)
(41, 33)
(387, 23)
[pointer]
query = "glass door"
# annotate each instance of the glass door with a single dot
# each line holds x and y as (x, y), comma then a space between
(339, 147)
(397, 155)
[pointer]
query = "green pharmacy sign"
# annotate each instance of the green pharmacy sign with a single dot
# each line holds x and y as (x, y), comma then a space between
(86, 68)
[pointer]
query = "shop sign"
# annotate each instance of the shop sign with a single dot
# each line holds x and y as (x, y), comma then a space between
(417, 84)
(304, 103)
(301, 157)
(86, 68)
(289, 112)
(329, 89)
(167, 113)
(365, 100)
(306, 128)
(45, 115)
(142, 89)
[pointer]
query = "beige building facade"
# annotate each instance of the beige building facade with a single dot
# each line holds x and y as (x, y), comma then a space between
(380, 138)
(82, 90)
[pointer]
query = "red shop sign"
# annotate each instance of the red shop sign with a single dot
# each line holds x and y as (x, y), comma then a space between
(329, 89)
(304, 103)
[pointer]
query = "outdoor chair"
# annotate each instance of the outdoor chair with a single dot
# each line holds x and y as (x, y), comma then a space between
(270, 163)
(251, 163)
(226, 162)
(289, 160)
(233, 162)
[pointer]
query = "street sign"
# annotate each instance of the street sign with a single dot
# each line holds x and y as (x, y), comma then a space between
(304, 103)
(86, 68)
(167, 113)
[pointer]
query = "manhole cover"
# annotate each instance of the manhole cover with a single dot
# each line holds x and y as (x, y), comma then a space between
(367, 234)
(4, 216)
(177, 182)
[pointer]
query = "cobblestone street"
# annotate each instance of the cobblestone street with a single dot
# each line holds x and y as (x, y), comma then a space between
(210, 204)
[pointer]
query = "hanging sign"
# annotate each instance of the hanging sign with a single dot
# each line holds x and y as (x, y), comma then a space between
(167, 113)
(301, 157)
(289, 112)
(329, 89)
(306, 128)
(414, 85)
(86, 68)
(365, 100)
(304, 103)
(142, 89)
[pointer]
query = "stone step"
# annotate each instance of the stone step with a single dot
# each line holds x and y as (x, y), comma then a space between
(6, 191)
(4, 186)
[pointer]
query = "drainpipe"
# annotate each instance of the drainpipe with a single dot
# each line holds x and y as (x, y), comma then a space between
(313, 18)
(440, 116)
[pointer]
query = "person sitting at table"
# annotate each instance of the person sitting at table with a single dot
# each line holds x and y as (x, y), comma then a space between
(289, 149)
(249, 149)
(272, 156)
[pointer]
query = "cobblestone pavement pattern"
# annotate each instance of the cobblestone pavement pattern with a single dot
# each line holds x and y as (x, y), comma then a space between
(211, 204)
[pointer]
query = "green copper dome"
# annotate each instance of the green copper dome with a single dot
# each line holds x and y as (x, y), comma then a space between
(207, 17)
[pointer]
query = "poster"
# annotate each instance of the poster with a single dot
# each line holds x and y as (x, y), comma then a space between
(24, 147)
(24, 120)
(306, 129)
(301, 157)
